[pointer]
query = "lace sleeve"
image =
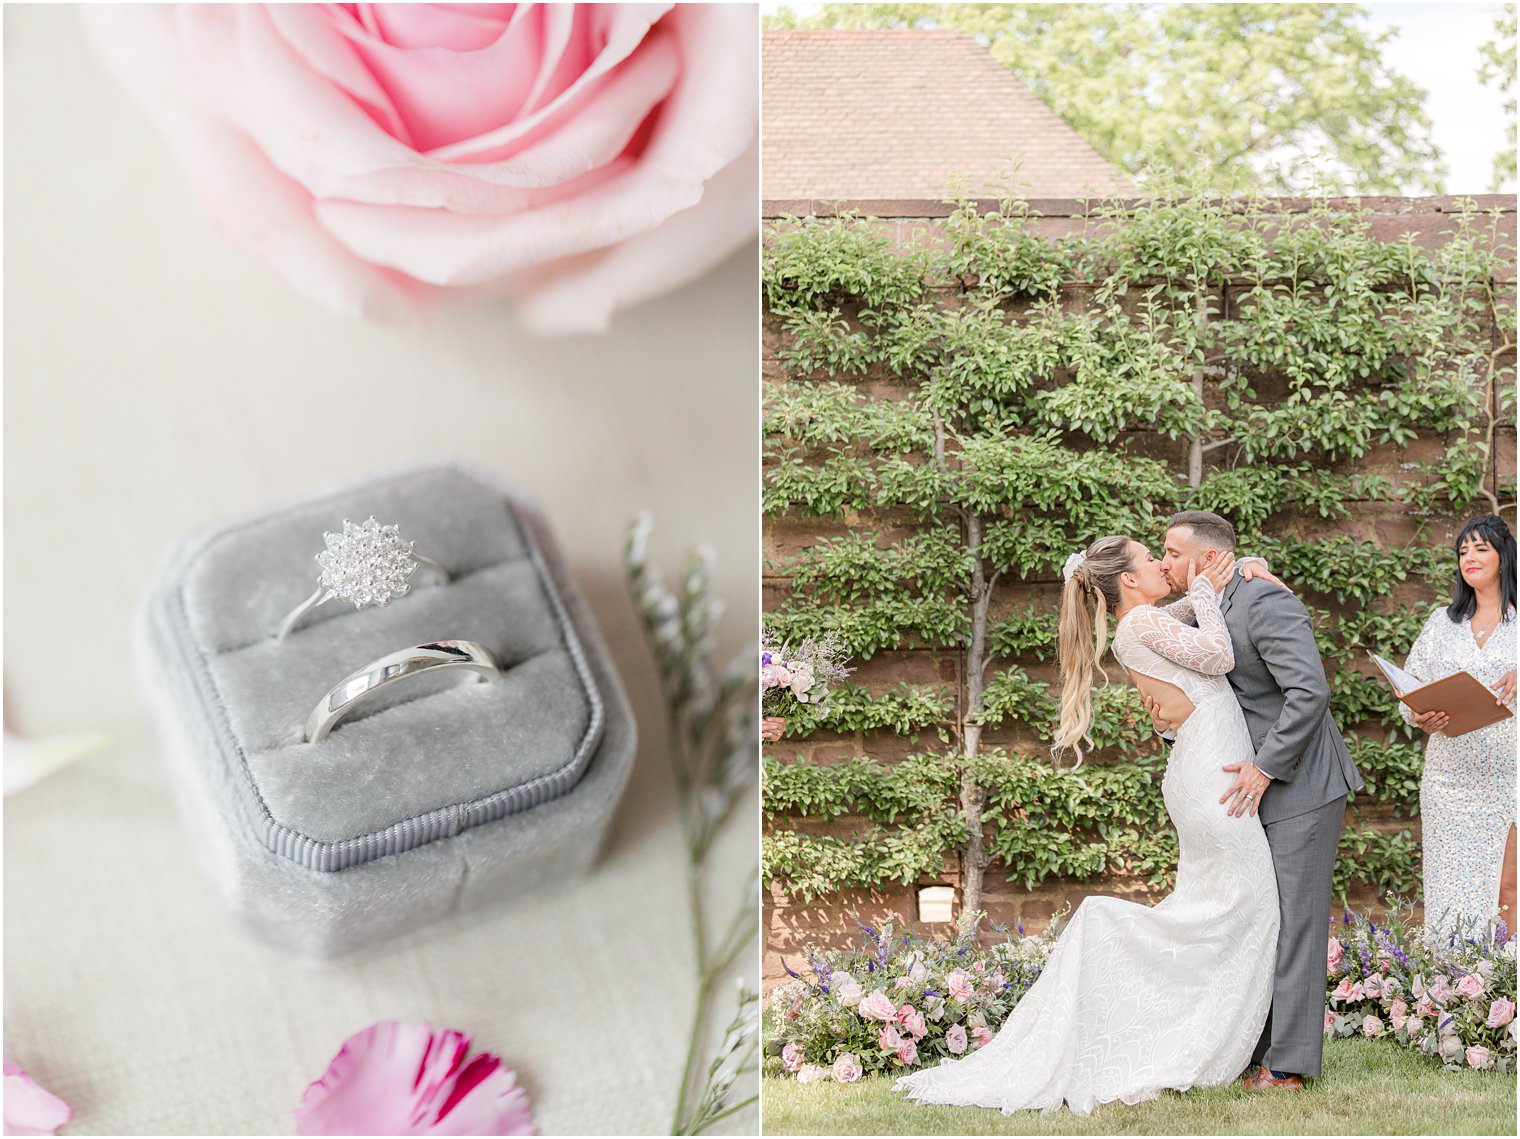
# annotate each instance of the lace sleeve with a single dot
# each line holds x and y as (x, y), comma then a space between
(1205, 649)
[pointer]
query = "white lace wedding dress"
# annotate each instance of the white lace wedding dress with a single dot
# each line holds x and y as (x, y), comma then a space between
(1137, 999)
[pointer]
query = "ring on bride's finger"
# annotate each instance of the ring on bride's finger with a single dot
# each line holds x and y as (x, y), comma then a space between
(367, 563)
(353, 689)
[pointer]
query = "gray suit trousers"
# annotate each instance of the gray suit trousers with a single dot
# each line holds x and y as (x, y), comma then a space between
(1303, 856)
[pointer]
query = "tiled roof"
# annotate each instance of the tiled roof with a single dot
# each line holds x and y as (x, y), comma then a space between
(898, 114)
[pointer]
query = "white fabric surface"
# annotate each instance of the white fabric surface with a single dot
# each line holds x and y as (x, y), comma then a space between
(1137, 999)
(156, 381)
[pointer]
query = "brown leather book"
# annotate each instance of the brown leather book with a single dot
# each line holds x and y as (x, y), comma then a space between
(1462, 696)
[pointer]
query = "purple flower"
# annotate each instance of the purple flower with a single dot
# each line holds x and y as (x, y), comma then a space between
(765, 658)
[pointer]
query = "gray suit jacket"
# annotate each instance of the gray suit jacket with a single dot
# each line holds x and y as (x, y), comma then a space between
(1279, 680)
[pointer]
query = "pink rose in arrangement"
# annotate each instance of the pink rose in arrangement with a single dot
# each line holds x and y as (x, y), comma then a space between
(912, 1021)
(1440, 991)
(1477, 1057)
(982, 1036)
(958, 983)
(775, 676)
(812, 1074)
(395, 1078)
(955, 1039)
(1372, 1026)
(1500, 1013)
(29, 1108)
(1329, 1022)
(1347, 991)
(1471, 986)
(1337, 955)
(890, 1039)
(878, 1006)
(1424, 1007)
(847, 1068)
(1398, 1014)
(1413, 1025)
(907, 1052)
(1372, 986)
(579, 158)
(791, 1057)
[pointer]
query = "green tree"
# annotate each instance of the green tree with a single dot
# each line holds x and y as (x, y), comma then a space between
(1498, 66)
(1280, 97)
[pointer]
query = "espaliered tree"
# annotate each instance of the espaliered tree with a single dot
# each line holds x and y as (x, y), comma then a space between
(996, 397)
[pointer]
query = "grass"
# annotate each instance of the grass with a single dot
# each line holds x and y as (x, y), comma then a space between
(1370, 1087)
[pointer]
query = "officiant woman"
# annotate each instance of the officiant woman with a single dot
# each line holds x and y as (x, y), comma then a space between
(1467, 795)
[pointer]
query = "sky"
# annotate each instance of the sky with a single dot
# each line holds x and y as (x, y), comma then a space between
(1436, 46)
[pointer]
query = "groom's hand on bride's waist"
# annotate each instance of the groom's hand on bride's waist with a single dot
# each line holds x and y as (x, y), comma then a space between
(1244, 795)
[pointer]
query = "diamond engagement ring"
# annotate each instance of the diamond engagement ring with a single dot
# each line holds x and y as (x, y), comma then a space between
(368, 564)
(435, 656)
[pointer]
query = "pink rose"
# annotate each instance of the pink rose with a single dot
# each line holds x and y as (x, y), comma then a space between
(878, 1006)
(31, 1109)
(1440, 991)
(1346, 991)
(791, 1057)
(1372, 1026)
(1470, 986)
(1424, 1007)
(812, 1074)
(1413, 1026)
(847, 1068)
(1373, 986)
(890, 1039)
(982, 1035)
(959, 984)
(1477, 1057)
(907, 1052)
(1398, 1014)
(1500, 1013)
(578, 157)
(1329, 1022)
(1337, 953)
(912, 1020)
(1384, 964)
(955, 1039)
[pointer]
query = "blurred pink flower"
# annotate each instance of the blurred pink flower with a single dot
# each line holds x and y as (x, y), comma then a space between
(1373, 986)
(30, 1109)
(1398, 1014)
(1337, 953)
(1329, 1022)
(907, 1052)
(579, 157)
(1471, 986)
(913, 1021)
(1347, 991)
(878, 1006)
(982, 1036)
(955, 1039)
(959, 984)
(395, 1078)
(791, 1057)
(890, 1039)
(1372, 1026)
(1500, 1013)
(847, 1068)
(1477, 1057)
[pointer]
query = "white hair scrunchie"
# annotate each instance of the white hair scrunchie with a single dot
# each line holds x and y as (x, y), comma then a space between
(1073, 564)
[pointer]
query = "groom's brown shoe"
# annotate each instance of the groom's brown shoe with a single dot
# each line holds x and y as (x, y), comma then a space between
(1262, 1080)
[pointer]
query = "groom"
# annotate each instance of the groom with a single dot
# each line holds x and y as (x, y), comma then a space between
(1298, 785)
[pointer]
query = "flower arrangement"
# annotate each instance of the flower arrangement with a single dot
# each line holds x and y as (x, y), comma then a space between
(1448, 996)
(800, 674)
(900, 1001)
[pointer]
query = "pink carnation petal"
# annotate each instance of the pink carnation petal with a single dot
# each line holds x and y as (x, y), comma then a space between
(395, 1078)
(29, 1109)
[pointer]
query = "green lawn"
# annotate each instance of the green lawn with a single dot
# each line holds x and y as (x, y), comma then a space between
(1370, 1087)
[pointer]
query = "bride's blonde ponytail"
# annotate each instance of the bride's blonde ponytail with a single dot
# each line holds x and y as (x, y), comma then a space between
(1092, 589)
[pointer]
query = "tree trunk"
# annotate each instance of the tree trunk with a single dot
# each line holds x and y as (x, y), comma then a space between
(973, 797)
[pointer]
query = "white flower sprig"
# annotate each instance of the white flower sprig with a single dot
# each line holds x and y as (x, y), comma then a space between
(714, 754)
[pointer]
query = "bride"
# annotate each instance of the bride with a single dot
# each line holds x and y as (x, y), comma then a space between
(1137, 999)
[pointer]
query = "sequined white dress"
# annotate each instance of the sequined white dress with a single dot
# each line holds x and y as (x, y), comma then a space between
(1467, 795)
(1138, 999)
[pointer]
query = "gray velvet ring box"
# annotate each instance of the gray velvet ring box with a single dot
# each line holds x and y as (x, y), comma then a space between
(439, 795)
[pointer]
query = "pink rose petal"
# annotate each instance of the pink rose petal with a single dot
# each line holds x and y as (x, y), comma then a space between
(29, 1109)
(395, 1078)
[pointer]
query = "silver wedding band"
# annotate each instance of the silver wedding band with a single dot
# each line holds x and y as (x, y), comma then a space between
(356, 687)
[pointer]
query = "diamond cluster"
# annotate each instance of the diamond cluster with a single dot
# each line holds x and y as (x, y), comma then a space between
(368, 564)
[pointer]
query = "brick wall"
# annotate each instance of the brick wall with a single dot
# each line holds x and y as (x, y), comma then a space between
(792, 926)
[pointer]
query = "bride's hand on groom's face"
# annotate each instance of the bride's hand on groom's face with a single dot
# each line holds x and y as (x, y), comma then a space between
(1219, 573)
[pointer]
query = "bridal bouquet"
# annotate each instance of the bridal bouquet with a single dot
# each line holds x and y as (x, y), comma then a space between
(799, 675)
(1452, 1000)
(900, 1001)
